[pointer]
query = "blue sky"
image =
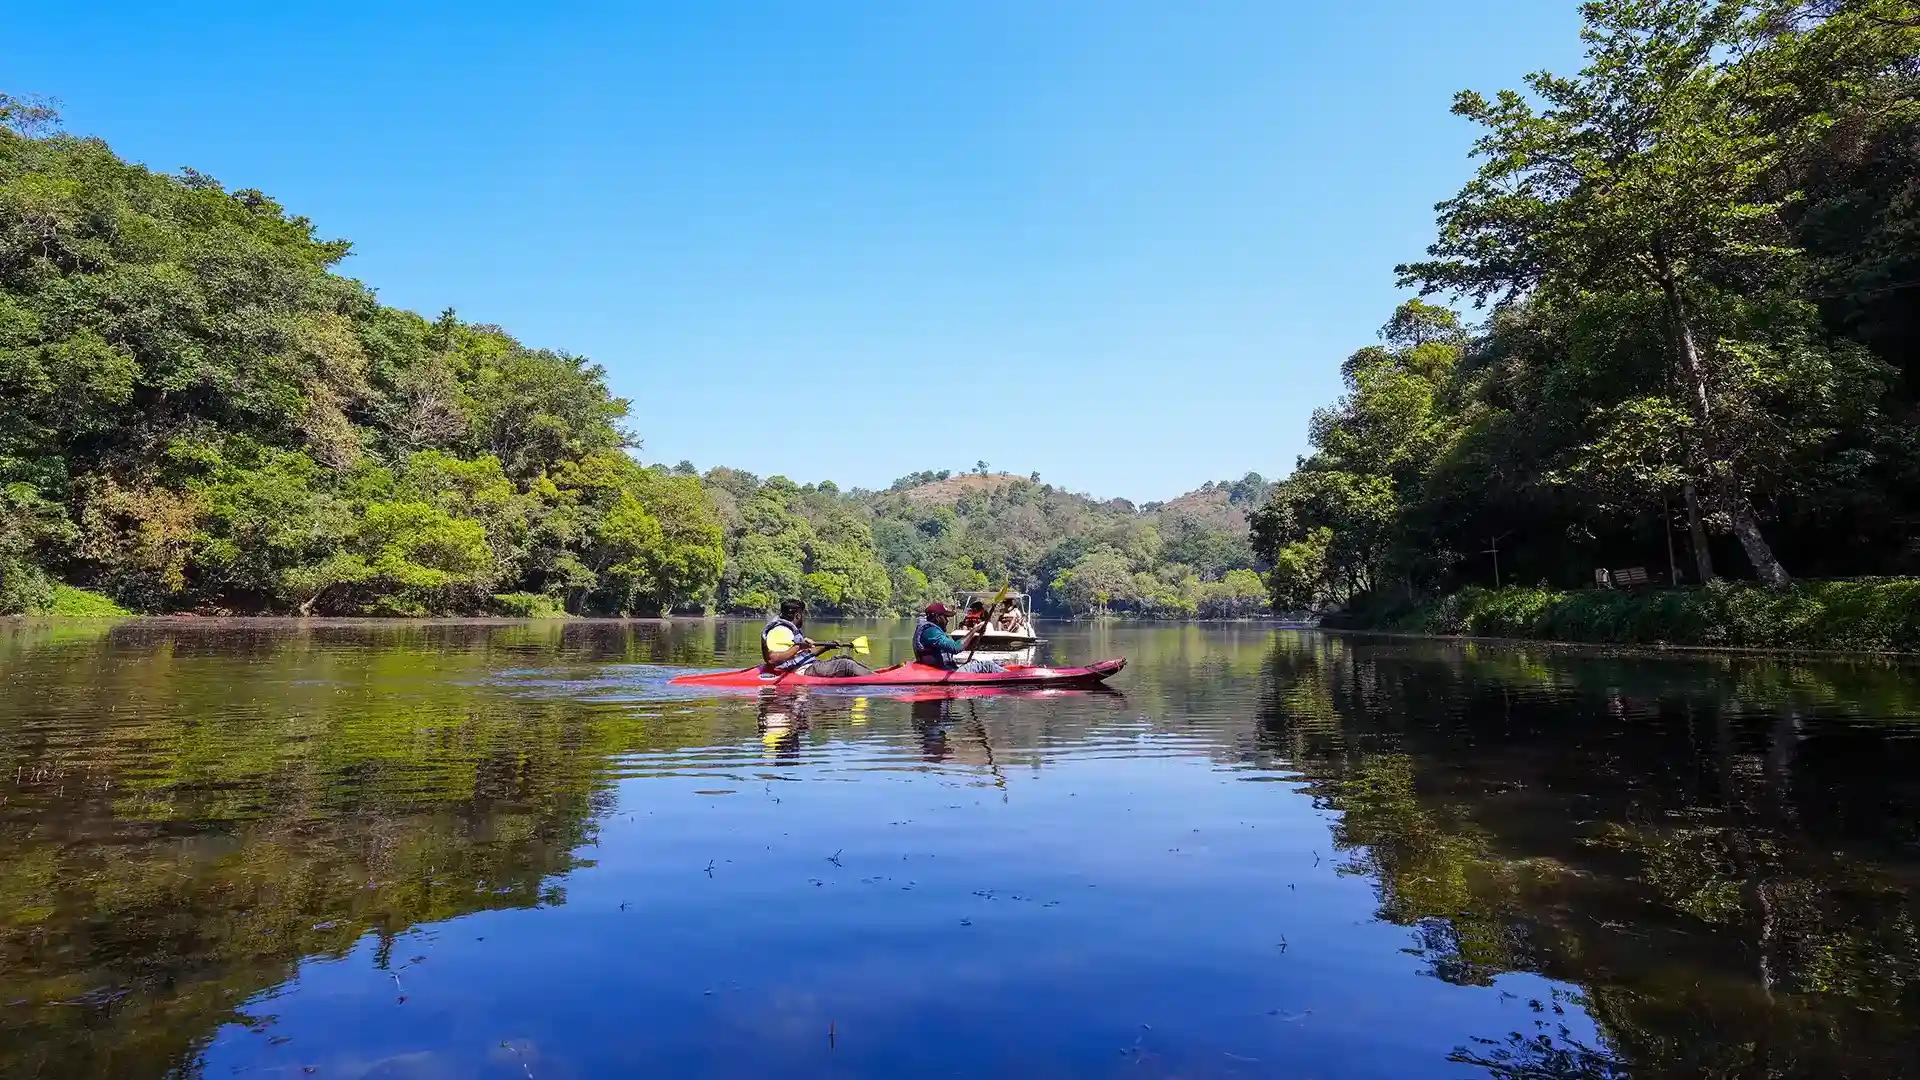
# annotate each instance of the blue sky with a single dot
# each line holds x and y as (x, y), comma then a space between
(830, 239)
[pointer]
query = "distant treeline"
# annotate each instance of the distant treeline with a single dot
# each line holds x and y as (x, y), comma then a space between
(1702, 257)
(200, 415)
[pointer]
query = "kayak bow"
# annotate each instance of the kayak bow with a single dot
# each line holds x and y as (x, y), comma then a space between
(914, 675)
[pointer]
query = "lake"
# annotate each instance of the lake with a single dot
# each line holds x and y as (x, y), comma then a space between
(510, 849)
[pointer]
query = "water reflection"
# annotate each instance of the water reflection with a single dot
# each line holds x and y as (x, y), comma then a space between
(494, 848)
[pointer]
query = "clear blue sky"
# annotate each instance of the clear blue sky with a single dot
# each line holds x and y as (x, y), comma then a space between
(817, 238)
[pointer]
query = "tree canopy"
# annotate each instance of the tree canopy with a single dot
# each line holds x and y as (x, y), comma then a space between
(204, 415)
(1692, 250)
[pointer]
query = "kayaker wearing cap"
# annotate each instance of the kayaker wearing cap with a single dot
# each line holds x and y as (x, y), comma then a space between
(784, 647)
(932, 644)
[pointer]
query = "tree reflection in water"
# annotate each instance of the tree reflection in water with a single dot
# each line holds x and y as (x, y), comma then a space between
(1720, 850)
(1715, 856)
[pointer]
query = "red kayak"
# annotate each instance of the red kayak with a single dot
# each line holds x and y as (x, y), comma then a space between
(915, 675)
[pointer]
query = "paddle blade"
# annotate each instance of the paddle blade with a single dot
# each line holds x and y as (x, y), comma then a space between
(859, 645)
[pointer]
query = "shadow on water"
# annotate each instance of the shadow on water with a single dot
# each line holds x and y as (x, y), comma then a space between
(445, 849)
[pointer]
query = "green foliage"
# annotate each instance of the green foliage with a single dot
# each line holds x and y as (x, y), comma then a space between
(1334, 528)
(526, 605)
(1880, 615)
(1667, 169)
(68, 602)
(1096, 582)
(1686, 357)
(201, 415)
(932, 535)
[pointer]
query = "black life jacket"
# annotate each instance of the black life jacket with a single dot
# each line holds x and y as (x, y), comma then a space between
(923, 651)
(799, 659)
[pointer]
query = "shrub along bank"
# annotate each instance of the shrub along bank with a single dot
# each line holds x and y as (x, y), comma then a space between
(1876, 614)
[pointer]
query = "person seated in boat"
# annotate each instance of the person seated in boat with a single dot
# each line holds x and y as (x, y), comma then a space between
(784, 647)
(976, 616)
(1010, 619)
(933, 646)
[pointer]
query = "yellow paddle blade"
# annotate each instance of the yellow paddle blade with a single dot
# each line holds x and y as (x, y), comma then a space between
(859, 644)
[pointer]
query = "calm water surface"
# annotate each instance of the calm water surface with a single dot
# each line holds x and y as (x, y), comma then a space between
(450, 850)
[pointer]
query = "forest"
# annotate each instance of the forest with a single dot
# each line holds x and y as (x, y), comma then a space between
(203, 415)
(1693, 276)
(1695, 272)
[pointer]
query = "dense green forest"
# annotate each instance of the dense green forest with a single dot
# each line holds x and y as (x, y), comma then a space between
(1699, 262)
(202, 415)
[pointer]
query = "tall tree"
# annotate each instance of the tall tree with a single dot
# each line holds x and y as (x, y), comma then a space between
(1652, 169)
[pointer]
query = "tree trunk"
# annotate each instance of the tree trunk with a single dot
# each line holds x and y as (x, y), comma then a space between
(1755, 545)
(1693, 373)
(306, 607)
(1697, 536)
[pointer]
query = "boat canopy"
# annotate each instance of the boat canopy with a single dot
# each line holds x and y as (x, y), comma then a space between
(1021, 600)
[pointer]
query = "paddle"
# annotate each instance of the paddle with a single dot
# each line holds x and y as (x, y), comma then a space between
(992, 606)
(858, 645)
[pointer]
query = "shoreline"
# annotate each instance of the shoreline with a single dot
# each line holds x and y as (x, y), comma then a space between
(1899, 657)
(190, 618)
(1653, 648)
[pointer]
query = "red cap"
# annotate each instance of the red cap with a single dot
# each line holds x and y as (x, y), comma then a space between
(937, 610)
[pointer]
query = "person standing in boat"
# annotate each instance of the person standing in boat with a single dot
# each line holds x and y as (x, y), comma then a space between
(784, 647)
(932, 645)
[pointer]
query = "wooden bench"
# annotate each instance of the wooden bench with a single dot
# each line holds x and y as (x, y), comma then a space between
(1631, 577)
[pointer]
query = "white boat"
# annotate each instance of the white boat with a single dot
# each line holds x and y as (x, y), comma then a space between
(1015, 643)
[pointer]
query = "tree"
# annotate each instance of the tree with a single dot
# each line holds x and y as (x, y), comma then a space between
(29, 524)
(29, 116)
(628, 555)
(401, 558)
(1654, 169)
(1095, 583)
(1238, 595)
(1334, 532)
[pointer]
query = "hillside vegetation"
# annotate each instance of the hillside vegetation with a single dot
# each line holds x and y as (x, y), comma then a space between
(932, 535)
(202, 415)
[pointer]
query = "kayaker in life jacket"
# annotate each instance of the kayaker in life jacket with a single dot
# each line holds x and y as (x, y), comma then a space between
(784, 647)
(975, 618)
(932, 645)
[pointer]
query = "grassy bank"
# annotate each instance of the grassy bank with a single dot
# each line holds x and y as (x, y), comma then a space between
(69, 602)
(1879, 615)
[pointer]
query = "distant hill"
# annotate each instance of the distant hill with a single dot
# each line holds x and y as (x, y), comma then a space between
(954, 488)
(932, 534)
(1221, 505)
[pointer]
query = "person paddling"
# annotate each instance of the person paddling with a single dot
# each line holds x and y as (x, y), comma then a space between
(784, 647)
(932, 645)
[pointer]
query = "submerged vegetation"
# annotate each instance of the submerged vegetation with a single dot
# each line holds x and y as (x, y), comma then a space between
(202, 415)
(1702, 254)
